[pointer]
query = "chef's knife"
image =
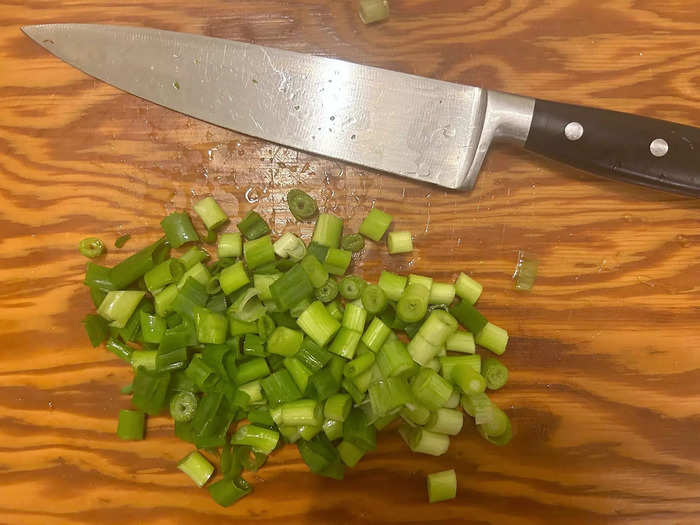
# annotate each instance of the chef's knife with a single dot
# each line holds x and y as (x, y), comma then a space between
(425, 129)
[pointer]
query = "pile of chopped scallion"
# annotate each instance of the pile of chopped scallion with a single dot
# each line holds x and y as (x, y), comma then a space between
(272, 342)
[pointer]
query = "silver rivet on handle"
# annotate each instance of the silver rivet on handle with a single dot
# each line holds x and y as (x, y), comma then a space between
(573, 131)
(658, 147)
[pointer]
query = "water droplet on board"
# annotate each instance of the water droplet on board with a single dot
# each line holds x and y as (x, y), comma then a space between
(449, 132)
(251, 195)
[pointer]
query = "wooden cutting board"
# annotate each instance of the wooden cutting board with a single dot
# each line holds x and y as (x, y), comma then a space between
(605, 351)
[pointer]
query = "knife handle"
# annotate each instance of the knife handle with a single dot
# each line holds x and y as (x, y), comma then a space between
(621, 146)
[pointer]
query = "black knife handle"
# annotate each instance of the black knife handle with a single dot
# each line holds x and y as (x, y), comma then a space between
(621, 146)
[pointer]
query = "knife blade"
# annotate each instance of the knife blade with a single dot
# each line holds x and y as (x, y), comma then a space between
(425, 129)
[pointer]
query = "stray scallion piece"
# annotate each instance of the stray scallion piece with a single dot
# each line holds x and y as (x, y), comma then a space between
(525, 271)
(372, 11)
(121, 240)
(352, 242)
(442, 486)
(375, 225)
(302, 205)
(274, 335)
(91, 247)
(399, 242)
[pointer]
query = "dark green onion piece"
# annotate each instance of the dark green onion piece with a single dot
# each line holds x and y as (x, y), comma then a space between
(183, 406)
(178, 229)
(302, 205)
(292, 287)
(469, 317)
(227, 491)
(169, 271)
(328, 230)
(135, 266)
(91, 247)
(253, 226)
(317, 250)
(351, 287)
(97, 329)
(359, 431)
(98, 277)
(313, 356)
(324, 383)
(328, 291)
(211, 213)
(298, 371)
(353, 242)
(319, 454)
(120, 349)
(375, 224)
(150, 390)
(374, 299)
(280, 388)
(121, 240)
(131, 424)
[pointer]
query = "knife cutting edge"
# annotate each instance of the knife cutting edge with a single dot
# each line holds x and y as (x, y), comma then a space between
(425, 129)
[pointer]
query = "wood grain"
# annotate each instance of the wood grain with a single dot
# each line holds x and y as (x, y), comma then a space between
(605, 395)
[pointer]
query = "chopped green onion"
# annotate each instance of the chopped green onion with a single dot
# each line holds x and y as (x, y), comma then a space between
(426, 442)
(495, 373)
(91, 247)
(376, 334)
(497, 424)
(337, 407)
(333, 429)
(99, 277)
(392, 285)
(260, 439)
(135, 266)
(199, 273)
(196, 467)
(296, 310)
(337, 261)
(317, 323)
(183, 406)
(442, 486)
(442, 293)
(285, 341)
(298, 371)
(445, 421)
(289, 245)
(461, 342)
(293, 287)
(448, 363)
(438, 327)
(121, 240)
(353, 242)
(316, 272)
(354, 317)
(312, 355)
(211, 213)
(388, 395)
(351, 287)
(121, 350)
(358, 430)
(178, 229)
(253, 226)
(470, 381)
(469, 317)
(345, 343)
(167, 272)
(258, 252)
(393, 359)
(328, 230)
(253, 346)
(413, 304)
(430, 389)
(422, 280)
(280, 388)
(350, 454)
(501, 439)
(251, 370)
(375, 224)
(301, 204)
(131, 424)
(193, 256)
(421, 350)
(253, 390)
(334, 309)
(467, 288)
(399, 242)
(262, 282)
(227, 491)
(308, 432)
(302, 412)
(319, 454)
(97, 329)
(318, 251)
(525, 271)
(230, 245)
(492, 338)
(325, 382)
(118, 306)
(358, 365)
(233, 278)
(144, 358)
(374, 299)
(415, 414)
(328, 291)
